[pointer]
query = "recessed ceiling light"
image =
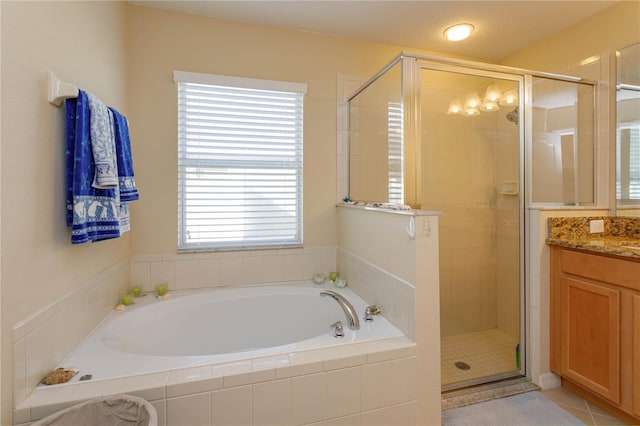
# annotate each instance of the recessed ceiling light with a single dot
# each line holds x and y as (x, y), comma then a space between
(458, 32)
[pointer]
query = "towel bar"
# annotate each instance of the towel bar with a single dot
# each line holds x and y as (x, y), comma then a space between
(59, 90)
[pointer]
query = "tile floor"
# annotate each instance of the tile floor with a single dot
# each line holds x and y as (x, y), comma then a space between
(588, 413)
(487, 352)
(492, 352)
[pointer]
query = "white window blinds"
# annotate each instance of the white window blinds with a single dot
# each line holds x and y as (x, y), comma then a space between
(239, 162)
(396, 153)
(628, 164)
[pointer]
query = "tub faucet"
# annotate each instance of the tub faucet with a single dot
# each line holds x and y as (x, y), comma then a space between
(350, 312)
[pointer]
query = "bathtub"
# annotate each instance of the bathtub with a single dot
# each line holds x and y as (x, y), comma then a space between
(219, 326)
(216, 356)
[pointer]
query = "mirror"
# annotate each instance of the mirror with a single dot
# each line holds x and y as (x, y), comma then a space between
(562, 148)
(628, 131)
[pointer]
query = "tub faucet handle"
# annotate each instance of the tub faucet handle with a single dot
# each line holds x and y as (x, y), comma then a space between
(350, 312)
(370, 311)
(338, 330)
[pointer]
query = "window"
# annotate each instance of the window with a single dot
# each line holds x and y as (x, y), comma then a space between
(239, 162)
(628, 163)
(396, 153)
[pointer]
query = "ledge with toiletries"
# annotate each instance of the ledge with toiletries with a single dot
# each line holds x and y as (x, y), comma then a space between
(338, 280)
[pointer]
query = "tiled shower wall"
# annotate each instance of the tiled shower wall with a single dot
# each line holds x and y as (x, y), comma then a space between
(460, 178)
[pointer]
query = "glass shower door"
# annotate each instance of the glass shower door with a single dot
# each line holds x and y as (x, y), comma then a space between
(471, 171)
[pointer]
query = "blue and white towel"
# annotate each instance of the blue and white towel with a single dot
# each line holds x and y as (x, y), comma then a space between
(126, 181)
(95, 208)
(102, 144)
(124, 162)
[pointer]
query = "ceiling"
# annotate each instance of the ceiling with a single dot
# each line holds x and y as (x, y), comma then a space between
(501, 27)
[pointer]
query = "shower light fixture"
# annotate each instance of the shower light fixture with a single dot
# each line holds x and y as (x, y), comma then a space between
(455, 107)
(489, 106)
(493, 94)
(458, 32)
(471, 112)
(493, 98)
(509, 98)
(472, 100)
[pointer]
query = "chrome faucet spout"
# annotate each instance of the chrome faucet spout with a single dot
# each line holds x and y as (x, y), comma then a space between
(352, 317)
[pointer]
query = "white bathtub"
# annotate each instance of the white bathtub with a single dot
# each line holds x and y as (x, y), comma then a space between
(201, 327)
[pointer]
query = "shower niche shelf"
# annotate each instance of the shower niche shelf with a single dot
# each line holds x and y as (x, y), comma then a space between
(509, 188)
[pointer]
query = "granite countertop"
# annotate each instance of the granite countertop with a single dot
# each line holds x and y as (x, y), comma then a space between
(621, 236)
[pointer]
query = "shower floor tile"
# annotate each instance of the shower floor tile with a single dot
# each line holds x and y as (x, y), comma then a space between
(487, 352)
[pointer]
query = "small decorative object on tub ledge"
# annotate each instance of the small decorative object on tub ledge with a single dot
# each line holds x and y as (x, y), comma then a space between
(136, 291)
(333, 276)
(376, 205)
(341, 282)
(162, 291)
(59, 375)
(126, 299)
(318, 278)
(120, 307)
(370, 311)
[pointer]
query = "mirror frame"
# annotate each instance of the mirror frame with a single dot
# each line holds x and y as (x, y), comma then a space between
(615, 206)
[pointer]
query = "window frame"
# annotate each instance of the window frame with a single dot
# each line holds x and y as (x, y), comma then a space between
(299, 89)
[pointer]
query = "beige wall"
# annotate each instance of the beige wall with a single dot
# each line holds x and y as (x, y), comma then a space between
(613, 28)
(161, 42)
(83, 43)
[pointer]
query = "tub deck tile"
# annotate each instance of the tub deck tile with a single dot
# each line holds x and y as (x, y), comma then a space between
(146, 386)
(233, 380)
(386, 350)
(270, 362)
(189, 374)
(299, 369)
(227, 368)
(201, 384)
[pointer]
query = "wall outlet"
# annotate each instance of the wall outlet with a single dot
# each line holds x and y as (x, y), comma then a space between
(596, 226)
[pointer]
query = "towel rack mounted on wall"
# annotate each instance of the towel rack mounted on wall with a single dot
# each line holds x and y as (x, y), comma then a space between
(59, 90)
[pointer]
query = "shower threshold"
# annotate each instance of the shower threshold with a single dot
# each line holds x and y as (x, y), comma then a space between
(473, 394)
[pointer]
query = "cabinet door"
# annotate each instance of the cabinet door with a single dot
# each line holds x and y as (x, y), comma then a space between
(590, 336)
(636, 354)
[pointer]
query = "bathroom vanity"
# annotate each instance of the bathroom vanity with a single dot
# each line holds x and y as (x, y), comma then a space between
(595, 317)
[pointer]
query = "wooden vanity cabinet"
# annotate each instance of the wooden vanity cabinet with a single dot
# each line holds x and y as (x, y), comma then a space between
(636, 355)
(595, 327)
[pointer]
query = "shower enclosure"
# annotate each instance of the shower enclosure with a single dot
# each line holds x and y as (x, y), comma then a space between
(462, 138)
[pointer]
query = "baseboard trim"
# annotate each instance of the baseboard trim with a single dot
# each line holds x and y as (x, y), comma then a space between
(548, 381)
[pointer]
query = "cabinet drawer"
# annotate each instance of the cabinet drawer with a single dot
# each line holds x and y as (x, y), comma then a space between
(620, 272)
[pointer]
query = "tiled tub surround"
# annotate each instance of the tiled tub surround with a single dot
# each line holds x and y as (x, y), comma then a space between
(365, 383)
(40, 337)
(394, 296)
(48, 336)
(203, 270)
(44, 339)
(621, 235)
